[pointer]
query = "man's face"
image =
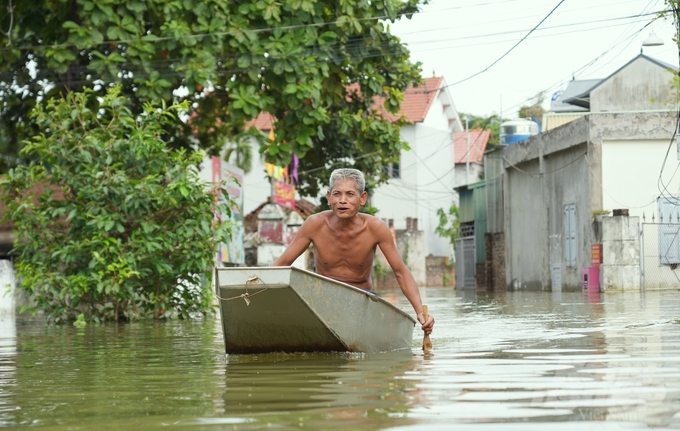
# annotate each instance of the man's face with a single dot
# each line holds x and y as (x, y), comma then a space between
(345, 199)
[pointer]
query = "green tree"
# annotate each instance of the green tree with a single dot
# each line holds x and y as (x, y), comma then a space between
(492, 122)
(240, 152)
(449, 224)
(318, 66)
(535, 111)
(110, 222)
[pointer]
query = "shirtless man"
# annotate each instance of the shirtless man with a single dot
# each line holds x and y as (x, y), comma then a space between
(345, 241)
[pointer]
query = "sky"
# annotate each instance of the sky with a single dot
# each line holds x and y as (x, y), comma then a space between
(576, 39)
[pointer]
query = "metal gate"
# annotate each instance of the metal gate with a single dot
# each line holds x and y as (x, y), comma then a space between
(660, 255)
(465, 262)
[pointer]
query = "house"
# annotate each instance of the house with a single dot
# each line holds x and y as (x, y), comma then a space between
(469, 148)
(423, 180)
(468, 151)
(561, 112)
(551, 190)
(470, 246)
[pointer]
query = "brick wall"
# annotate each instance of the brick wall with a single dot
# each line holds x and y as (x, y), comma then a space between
(439, 271)
(480, 276)
(495, 261)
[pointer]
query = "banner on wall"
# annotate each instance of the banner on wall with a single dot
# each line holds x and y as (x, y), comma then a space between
(283, 194)
(283, 180)
(231, 251)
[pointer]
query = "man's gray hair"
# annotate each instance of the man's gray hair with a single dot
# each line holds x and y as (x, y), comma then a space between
(349, 174)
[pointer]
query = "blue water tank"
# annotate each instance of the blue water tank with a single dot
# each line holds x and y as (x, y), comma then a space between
(516, 130)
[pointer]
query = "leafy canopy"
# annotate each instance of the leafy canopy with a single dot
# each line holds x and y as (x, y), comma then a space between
(492, 122)
(448, 226)
(110, 222)
(320, 67)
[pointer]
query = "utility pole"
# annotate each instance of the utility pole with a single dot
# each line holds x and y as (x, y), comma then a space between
(467, 153)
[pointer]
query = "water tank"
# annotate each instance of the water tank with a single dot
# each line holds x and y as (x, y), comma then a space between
(516, 130)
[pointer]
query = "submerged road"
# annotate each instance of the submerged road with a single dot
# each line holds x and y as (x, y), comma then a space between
(513, 361)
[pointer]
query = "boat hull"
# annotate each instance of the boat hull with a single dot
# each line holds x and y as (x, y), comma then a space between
(286, 309)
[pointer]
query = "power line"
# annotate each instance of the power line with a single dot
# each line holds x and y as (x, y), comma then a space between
(507, 52)
(573, 24)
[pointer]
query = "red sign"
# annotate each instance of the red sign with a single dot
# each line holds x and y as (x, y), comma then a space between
(595, 254)
(283, 194)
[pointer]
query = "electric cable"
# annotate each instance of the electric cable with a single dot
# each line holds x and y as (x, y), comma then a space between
(508, 51)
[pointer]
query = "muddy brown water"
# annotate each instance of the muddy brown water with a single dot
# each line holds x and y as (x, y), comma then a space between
(514, 361)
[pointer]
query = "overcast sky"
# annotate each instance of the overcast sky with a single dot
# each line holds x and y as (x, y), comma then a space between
(581, 38)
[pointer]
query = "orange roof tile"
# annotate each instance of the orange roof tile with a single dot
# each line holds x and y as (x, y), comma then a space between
(263, 121)
(479, 138)
(416, 104)
(417, 100)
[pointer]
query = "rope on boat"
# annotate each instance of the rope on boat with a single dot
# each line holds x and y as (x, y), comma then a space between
(246, 295)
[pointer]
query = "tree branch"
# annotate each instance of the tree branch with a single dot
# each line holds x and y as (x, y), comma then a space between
(10, 9)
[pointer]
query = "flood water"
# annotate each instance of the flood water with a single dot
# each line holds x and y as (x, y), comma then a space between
(514, 361)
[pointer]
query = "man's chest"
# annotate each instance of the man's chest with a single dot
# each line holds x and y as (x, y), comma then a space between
(345, 246)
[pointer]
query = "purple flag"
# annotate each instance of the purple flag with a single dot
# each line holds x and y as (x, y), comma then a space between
(294, 168)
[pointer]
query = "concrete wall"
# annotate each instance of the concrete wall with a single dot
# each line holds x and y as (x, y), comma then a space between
(276, 232)
(620, 268)
(541, 175)
(605, 160)
(630, 174)
(439, 271)
(640, 85)
(7, 291)
(476, 173)
(524, 214)
(411, 246)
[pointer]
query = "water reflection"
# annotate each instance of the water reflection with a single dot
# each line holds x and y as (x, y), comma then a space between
(320, 387)
(526, 360)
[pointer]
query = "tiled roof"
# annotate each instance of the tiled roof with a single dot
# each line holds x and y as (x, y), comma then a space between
(417, 100)
(479, 138)
(416, 104)
(263, 121)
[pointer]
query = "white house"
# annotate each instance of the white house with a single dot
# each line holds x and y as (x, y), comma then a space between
(425, 177)
(423, 180)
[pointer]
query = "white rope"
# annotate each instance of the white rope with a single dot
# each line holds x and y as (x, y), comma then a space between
(246, 296)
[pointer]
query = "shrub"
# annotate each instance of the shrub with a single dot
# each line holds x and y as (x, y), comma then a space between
(109, 222)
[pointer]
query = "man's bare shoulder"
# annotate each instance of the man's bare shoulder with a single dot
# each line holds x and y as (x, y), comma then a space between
(318, 219)
(372, 220)
(376, 225)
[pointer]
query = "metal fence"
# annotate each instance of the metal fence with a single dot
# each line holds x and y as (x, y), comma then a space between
(465, 262)
(660, 256)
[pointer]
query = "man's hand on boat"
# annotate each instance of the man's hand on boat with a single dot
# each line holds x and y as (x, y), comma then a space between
(345, 241)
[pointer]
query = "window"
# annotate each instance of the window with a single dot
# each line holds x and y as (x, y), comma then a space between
(570, 251)
(392, 170)
(467, 229)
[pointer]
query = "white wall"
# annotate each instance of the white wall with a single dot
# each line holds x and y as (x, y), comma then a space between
(426, 183)
(630, 173)
(257, 188)
(476, 173)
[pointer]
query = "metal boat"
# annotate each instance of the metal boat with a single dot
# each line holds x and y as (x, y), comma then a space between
(287, 309)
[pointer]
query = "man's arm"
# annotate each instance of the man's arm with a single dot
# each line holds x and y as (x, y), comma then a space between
(298, 246)
(403, 274)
